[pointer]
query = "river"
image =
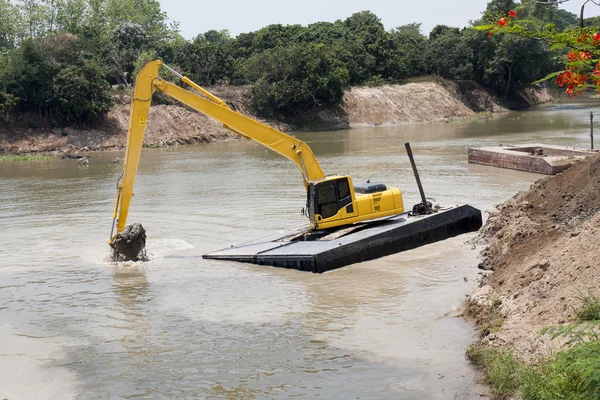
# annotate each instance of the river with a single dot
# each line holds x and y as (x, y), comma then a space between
(73, 326)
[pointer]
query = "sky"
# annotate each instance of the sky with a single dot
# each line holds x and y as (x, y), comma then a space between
(240, 16)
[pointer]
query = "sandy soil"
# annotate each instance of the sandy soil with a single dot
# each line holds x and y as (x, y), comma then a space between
(410, 103)
(542, 246)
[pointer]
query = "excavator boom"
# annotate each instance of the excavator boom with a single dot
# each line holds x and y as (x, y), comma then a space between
(148, 81)
(332, 201)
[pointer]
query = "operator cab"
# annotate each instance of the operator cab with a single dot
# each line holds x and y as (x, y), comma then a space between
(326, 197)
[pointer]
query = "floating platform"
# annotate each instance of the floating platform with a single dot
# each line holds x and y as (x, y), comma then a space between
(322, 251)
(537, 158)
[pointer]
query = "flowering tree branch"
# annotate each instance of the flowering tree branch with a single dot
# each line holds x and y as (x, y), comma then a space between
(582, 46)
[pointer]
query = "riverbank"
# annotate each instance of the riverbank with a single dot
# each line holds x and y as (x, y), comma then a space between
(429, 100)
(539, 309)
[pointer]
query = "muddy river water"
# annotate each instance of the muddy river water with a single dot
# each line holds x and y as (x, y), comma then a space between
(74, 326)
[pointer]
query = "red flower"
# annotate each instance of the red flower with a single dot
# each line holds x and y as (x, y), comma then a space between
(596, 37)
(571, 56)
(512, 13)
(490, 33)
(585, 55)
(502, 21)
(573, 81)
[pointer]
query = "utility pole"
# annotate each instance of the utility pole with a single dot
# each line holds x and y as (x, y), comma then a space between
(592, 130)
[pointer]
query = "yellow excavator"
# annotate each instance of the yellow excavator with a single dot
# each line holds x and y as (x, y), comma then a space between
(332, 201)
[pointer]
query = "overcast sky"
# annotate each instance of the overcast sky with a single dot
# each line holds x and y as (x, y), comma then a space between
(240, 16)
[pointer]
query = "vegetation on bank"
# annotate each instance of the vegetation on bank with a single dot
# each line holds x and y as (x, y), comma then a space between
(59, 59)
(573, 373)
(27, 157)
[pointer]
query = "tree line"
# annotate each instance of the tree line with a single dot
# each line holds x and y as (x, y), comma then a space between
(62, 58)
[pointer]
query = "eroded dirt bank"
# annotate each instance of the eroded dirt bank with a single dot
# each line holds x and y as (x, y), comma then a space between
(542, 246)
(410, 103)
(170, 124)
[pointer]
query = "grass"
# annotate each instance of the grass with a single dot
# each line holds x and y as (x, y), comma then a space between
(488, 318)
(573, 373)
(500, 367)
(27, 157)
(495, 319)
(570, 374)
(590, 311)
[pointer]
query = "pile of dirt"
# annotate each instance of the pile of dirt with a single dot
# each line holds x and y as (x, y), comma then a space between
(542, 247)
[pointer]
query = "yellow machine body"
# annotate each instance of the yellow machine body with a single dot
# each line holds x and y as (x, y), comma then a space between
(331, 200)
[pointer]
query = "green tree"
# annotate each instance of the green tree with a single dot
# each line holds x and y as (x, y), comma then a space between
(295, 79)
(407, 55)
(277, 35)
(10, 25)
(71, 16)
(217, 37)
(208, 62)
(441, 30)
(50, 76)
(325, 32)
(517, 62)
(33, 14)
(449, 55)
(28, 76)
(80, 93)
(496, 8)
(367, 31)
(361, 65)
(129, 40)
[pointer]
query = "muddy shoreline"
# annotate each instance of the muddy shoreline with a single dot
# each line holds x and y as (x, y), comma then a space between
(170, 124)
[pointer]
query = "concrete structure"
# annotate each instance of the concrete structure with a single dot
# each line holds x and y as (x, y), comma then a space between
(321, 251)
(538, 158)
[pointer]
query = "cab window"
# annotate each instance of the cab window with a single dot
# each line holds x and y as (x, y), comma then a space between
(343, 188)
(332, 196)
(326, 200)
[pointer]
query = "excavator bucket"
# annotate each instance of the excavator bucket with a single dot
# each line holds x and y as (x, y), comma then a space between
(130, 244)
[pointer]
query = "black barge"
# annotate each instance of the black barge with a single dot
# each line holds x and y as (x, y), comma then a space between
(326, 250)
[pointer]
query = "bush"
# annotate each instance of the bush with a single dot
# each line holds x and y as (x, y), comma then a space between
(79, 94)
(54, 79)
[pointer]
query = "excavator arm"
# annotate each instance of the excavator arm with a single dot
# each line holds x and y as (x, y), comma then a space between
(147, 82)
